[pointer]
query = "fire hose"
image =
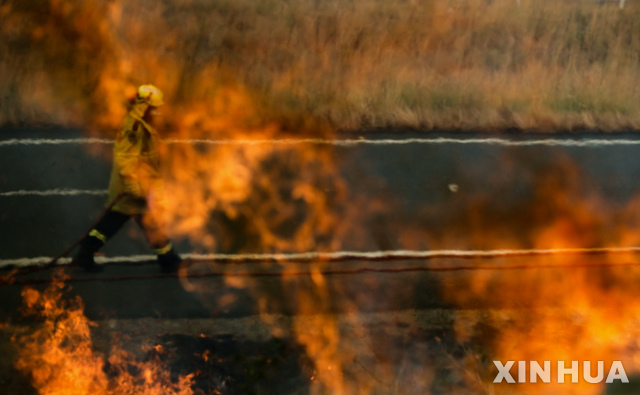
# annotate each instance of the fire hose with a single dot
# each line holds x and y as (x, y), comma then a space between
(10, 278)
(325, 272)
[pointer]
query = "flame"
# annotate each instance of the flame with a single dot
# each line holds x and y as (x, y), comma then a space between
(222, 83)
(60, 358)
(110, 47)
(576, 313)
(262, 187)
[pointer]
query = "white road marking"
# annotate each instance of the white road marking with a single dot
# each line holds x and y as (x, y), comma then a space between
(24, 262)
(593, 143)
(54, 141)
(349, 142)
(56, 192)
(332, 256)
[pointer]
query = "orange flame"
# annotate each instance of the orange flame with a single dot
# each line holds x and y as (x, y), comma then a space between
(60, 358)
(578, 313)
(248, 198)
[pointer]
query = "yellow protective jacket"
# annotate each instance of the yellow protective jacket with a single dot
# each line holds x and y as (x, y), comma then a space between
(136, 167)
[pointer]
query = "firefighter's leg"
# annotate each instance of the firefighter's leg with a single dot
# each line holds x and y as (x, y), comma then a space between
(108, 226)
(168, 259)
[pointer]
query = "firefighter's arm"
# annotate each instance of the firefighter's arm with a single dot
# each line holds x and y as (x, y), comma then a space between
(131, 131)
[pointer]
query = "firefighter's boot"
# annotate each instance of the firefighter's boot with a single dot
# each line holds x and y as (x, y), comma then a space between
(168, 259)
(88, 247)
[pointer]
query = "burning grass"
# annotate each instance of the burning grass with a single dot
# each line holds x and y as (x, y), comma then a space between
(60, 359)
(65, 353)
(499, 64)
(318, 350)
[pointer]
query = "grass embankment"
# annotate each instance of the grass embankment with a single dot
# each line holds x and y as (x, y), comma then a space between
(482, 64)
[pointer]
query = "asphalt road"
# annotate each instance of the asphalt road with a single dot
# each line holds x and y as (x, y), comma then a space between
(435, 196)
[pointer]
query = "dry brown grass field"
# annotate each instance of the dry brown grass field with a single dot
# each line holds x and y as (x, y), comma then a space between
(543, 65)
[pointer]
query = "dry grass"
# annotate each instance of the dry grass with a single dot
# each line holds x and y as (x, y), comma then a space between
(448, 64)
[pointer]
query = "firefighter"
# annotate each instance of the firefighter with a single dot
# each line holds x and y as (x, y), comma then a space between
(135, 188)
